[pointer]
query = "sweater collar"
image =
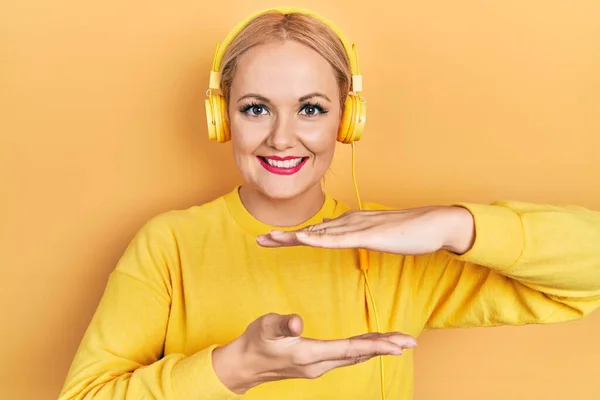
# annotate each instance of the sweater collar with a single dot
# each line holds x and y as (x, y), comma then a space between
(255, 227)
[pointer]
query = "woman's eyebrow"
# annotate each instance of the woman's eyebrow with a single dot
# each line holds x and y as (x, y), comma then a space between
(254, 96)
(266, 100)
(313, 94)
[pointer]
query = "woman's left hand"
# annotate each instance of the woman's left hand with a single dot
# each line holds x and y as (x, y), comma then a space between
(409, 232)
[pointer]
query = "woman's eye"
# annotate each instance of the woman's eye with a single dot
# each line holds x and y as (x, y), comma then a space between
(254, 110)
(257, 110)
(311, 110)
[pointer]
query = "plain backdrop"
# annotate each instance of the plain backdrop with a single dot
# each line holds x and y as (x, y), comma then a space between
(102, 126)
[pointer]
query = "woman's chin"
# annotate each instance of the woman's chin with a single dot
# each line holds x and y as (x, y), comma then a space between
(285, 191)
(282, 193)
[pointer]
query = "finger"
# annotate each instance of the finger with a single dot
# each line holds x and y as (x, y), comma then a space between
(278, 239)
(332, 241)
(355, 212)
(332, 364)
(295, 325)
(327, 223)
(368, 335)
(275, 326)
(341, 220)
(289, 238)
(345, 349)
(336, 230)
(322, 367)
(348, 218)
(401, 340)
(316, 370)
(334, 226)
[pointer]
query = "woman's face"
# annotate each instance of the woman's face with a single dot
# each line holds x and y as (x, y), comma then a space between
(284, 114)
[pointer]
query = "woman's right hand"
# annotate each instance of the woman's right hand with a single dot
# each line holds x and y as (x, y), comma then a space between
(272, 349)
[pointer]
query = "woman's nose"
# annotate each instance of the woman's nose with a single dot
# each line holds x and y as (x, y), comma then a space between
(283, 134)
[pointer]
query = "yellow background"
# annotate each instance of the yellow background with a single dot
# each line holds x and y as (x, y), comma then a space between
(102, 126)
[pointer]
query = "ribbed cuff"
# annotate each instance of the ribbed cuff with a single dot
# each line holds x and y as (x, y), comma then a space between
(195, 378)
(499, 236)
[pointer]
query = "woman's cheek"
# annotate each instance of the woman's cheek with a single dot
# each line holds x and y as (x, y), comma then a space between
(247, 136)
(321, 141)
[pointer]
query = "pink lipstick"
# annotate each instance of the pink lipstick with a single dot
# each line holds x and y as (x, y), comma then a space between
(288, 165)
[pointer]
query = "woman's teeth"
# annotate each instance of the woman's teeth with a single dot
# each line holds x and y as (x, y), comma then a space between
(284, 164)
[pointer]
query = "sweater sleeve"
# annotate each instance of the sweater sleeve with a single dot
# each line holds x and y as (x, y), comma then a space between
(530, 264)
(121, 355)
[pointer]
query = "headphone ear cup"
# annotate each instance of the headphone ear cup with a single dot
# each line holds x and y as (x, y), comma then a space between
(222, 107)
(210, 119)
(346, 122)
(360, 118)
(218, 129)
(353, 121)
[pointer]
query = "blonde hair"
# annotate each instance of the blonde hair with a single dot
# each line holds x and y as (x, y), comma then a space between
(301, 28)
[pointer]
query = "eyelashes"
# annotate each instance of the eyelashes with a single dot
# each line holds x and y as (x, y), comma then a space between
(308, 109)
(253, 109)
(315, 107)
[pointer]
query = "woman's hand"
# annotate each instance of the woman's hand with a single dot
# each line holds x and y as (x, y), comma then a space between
(409, 232)
(273, 349)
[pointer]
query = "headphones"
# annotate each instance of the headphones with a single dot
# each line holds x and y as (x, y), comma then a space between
(353, 117)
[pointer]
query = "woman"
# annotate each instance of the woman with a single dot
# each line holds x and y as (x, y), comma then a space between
(261, 293)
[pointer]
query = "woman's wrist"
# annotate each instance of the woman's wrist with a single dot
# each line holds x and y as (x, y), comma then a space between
(232, 371)
(460, 230)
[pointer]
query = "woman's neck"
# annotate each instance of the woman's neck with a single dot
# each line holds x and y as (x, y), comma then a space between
(282, 212)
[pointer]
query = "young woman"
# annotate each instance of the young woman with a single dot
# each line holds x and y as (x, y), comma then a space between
(278, 291)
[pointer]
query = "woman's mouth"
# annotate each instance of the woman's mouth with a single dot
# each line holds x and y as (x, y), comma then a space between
(282, 165)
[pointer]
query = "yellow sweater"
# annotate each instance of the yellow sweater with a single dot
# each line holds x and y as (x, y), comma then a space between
(193, 279)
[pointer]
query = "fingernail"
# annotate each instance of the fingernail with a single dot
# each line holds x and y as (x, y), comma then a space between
(275, 232)
(411, 344)
(261, 238)
(397, 352)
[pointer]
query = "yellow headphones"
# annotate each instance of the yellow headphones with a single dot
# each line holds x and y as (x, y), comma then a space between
(353, 118)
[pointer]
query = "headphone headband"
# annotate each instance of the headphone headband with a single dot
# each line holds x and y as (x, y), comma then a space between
(215, 73)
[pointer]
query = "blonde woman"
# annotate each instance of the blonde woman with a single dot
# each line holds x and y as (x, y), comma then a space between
(262, 293)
